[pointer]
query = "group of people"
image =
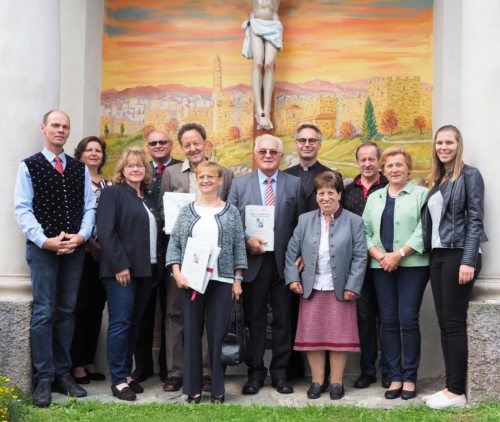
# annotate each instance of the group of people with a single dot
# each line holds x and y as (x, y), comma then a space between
(347, 270)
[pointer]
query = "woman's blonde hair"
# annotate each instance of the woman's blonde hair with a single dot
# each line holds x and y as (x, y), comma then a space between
(390, 152)
(438, 170)
(209, 165)
(119, 178)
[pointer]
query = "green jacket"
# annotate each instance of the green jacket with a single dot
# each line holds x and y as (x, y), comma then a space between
(407, 226)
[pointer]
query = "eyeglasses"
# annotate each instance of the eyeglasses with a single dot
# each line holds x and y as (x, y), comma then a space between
(162, 142)
(263, 152)
(312, 141)
(206, 177)
(134, 166)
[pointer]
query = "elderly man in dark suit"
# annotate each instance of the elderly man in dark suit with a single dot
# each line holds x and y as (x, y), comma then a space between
(268, 186)
(181, 178)
(159, 146)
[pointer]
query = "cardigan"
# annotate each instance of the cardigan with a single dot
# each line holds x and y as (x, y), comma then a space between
(231, 239)
(407, 224)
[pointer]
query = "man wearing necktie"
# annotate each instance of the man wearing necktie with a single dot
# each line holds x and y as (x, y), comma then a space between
(159, 146)
(55, 208)
(264, 276)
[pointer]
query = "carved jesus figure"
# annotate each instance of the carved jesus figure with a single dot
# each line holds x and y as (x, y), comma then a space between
(263, 40)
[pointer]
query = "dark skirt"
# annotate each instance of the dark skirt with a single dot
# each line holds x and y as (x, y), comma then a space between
(326, 323)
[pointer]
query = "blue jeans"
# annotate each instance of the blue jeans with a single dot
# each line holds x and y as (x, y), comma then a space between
(399, 295)
(125, 308)
(55, 280)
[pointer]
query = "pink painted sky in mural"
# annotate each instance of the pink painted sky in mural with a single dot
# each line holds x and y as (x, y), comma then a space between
(154, 42)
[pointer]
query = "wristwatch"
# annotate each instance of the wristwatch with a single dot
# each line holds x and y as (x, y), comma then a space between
(402, 253)
(238, 277)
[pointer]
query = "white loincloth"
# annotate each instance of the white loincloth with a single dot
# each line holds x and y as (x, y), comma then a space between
(270, 30)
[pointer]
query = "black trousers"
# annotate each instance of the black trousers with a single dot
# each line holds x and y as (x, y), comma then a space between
(143, 355)
(255, 298)
(369, 328)
(451, 301)
(214, 309)
(88, 314)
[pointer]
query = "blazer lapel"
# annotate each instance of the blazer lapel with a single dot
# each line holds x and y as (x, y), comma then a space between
(255, 189)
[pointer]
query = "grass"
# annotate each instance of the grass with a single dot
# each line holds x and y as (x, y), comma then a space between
(74, 410)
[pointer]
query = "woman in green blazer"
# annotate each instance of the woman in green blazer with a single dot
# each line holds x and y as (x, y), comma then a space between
(400, 268)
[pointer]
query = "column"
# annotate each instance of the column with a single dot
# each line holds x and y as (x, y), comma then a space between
(29, 83)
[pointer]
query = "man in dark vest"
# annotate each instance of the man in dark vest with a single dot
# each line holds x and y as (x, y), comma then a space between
(159, 146)
(55, 209)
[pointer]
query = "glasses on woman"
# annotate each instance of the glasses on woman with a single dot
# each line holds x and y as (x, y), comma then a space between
(134, 166)
(206, 177)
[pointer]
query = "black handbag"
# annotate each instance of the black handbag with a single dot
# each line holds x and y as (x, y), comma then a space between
(236, 343)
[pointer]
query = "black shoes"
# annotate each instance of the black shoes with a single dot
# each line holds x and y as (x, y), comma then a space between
(136, 387)
(125, 393)
(65, 384)
(364, 381)
(217, 399)
(409, 394)
(96, 376)
(393, 394)
(141, 376)
(282, 386)
(316, 389)
(336, 391)
(173, 384)
(82, 380)
(386, 380)
(42, 394)
(194, 398)
(252, 387)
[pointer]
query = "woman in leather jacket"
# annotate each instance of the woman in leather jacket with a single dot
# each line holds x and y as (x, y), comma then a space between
(452, 223)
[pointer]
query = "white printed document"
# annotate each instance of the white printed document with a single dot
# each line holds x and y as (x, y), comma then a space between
(259, 221)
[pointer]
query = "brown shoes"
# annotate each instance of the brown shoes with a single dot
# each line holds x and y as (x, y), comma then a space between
(173, 384)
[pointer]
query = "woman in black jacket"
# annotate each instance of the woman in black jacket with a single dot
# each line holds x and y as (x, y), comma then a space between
(128, 226)
(452, 222)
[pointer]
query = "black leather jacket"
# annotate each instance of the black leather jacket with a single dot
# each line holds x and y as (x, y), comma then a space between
(461, 223)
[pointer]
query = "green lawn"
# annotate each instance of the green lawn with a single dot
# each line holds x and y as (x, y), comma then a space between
(74, 410)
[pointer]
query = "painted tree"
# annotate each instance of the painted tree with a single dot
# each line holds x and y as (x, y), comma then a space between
(106, 131)
(389, 120)
(346, 130)
(234, 133)
(122, 129)
(420, 123)
(369, 122)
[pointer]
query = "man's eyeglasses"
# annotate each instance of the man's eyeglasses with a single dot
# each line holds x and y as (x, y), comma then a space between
(263, 152)
(162, 142)
(312, 141)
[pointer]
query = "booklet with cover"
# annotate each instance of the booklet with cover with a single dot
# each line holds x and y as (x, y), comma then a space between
(259, 221)
(198, 263)
(172, 204)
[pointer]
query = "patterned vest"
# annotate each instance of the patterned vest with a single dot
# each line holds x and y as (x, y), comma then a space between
(58, 198)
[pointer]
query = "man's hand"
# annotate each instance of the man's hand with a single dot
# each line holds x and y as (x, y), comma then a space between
(53, 244)
(299, 263)
(465, 274)
(255, 245)
(123, 277)
(70, 243)
(349, 295)
(296, 287)
(94, 248)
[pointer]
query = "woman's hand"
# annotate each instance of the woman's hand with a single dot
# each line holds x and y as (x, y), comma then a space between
(390, 261)
(123, 277)
(296, 287)
(465, 274)
(181, 281)
(237, 290)
(349, 295)
(299, 263)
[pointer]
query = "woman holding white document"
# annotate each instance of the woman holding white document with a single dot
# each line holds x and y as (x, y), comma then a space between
(212, 224)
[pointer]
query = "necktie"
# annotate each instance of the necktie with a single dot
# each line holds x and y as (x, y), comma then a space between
(59, 166)
(159, 169)
(269, 197)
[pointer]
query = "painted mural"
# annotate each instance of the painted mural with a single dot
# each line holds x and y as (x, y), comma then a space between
(358, 69)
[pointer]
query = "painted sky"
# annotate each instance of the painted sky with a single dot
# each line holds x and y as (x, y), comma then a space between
(155, 42)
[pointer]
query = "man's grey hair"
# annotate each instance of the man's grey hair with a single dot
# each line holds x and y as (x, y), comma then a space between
(260, 138)
(307, 126)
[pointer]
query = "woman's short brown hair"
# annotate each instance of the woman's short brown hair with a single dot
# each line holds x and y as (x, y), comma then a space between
(119, 179)
(209, 165)
(82, 146)
(391, 152)
(329, 179)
